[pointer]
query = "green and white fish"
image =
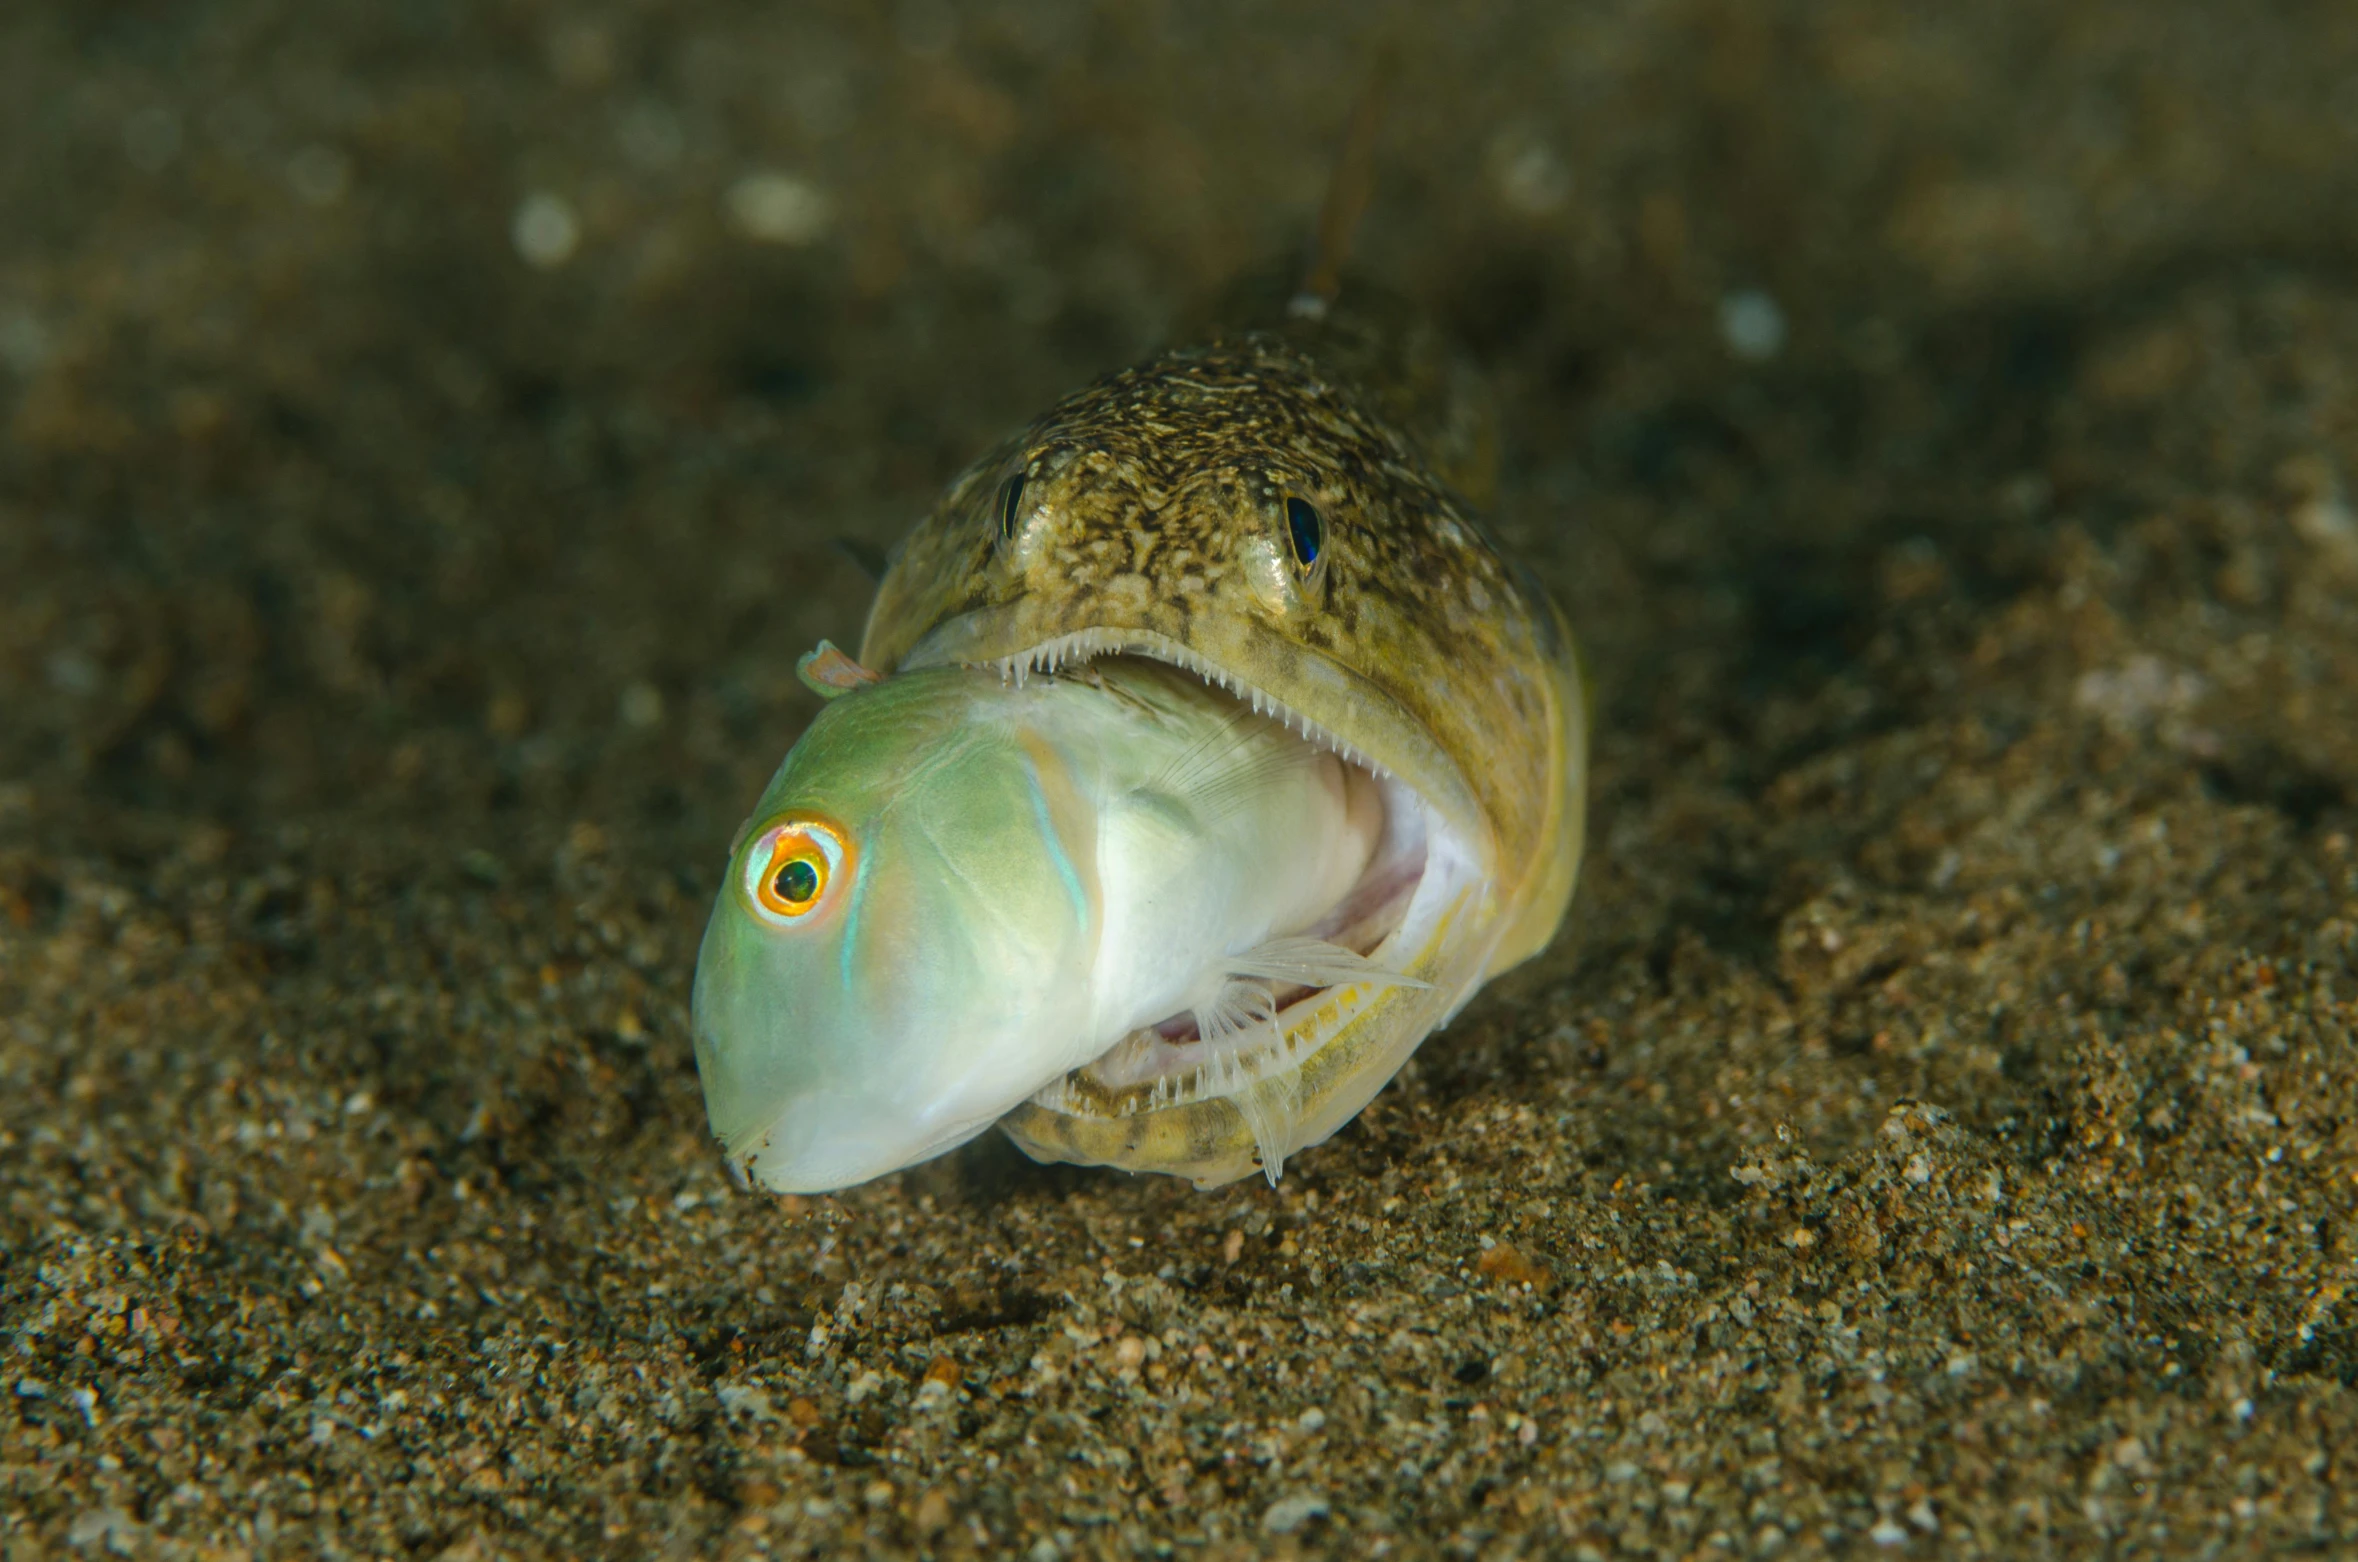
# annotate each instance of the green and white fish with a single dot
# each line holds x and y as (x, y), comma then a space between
(959, 887)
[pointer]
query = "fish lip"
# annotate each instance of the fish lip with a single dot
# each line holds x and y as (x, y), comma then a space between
(789, 1170)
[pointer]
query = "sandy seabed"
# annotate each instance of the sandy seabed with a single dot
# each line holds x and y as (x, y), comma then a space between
(424, 435)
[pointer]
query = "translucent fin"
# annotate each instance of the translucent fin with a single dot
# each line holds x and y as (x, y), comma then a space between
(1272, 1109)
(1243, 1014)
(1236, 1009)
(1206, 756)
(1242, 785)
(827, 672)
(1313, 962)
(1219, 775)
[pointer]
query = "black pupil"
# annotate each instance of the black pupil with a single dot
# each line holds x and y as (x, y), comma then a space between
(1307, 528)
(1010, 499)
(797, 882)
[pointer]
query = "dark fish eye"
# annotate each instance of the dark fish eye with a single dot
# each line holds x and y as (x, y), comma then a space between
(1307, 528)
(797, 882)
(1010, 505)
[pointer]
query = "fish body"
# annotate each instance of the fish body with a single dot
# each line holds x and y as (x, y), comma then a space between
(959, 888)
(1287, 512)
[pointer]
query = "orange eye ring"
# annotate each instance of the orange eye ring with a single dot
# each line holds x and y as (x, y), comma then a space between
(795, 879)
(790, 867)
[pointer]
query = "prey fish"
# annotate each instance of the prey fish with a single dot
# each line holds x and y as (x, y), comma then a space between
(959, 888)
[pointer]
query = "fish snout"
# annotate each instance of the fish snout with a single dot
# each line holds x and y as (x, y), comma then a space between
(819, 1144)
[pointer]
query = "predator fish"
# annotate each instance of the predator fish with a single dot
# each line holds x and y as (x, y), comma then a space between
(1286, 511)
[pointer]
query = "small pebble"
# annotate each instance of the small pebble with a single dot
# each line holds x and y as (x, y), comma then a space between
(1510, 1266)
(545, 230)
(1752, 325)
(1288, 1514)
(1530, 178)
(779, 208)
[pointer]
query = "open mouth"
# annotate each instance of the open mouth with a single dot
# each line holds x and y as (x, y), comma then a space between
(1397, 916)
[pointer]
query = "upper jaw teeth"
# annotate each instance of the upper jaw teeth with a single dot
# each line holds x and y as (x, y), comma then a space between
(1052, 656)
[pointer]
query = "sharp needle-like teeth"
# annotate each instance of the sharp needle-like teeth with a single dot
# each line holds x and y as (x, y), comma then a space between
(1083, 645)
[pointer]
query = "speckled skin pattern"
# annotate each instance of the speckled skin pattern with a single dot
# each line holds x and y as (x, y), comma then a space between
(1153, 504)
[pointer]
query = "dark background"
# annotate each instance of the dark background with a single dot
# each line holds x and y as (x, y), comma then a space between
(424, 435)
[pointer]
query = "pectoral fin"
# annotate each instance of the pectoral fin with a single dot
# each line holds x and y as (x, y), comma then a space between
(827, 672)
(1231, 769)
(1239, 1018)
(1313, 962)
(1244, 1013)
(1237, 1010)
(1272, 1109)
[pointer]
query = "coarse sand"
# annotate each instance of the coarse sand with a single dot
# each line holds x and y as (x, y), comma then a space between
(429, 432)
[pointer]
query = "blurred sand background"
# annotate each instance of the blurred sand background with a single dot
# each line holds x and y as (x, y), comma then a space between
(423, 432)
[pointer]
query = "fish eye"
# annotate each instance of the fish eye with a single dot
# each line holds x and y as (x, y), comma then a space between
(789, 867)
(796, 884)
(1307, 530)
(1010, 506)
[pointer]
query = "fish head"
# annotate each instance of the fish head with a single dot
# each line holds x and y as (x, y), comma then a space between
(1249, 510)
(1259, 511)
(895, 956)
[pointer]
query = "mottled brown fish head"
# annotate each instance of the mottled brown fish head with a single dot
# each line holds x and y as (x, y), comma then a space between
(1254, 510)
(1237, 503)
